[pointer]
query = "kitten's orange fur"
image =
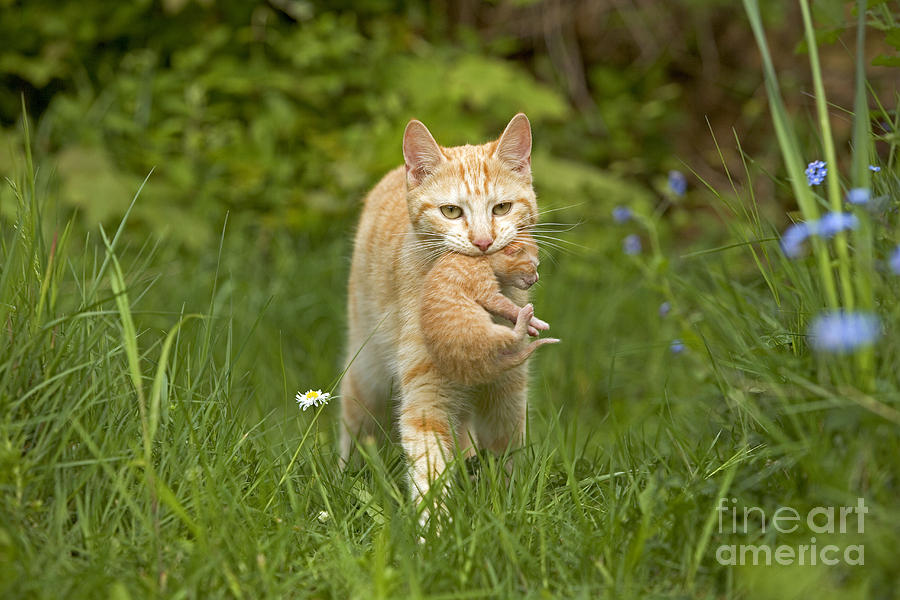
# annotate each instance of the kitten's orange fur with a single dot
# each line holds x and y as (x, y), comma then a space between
(460, 295)
(403, 229)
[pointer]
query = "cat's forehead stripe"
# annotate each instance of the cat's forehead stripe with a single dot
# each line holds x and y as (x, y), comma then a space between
(474, 174)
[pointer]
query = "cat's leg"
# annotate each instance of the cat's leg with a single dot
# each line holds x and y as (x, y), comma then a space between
(465, 434)
(365, 398)
(425, 422)
(500, 411)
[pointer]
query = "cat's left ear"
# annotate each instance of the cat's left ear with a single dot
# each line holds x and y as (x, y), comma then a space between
(514, 146)
(420, 152)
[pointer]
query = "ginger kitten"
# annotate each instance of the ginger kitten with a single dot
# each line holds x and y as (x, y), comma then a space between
(461, 293)
(473, 200)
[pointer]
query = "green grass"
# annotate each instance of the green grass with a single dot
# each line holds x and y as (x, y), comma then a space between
(149, 443)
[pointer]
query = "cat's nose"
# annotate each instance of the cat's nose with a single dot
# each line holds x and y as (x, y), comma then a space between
(483, 243)
(530, 279)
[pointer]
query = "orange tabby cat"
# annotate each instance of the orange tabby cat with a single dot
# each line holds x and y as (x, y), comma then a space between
(461, 293)
(472, 200)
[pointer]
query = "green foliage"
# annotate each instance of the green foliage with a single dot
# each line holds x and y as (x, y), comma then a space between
(146, 450)
(630, 446)
(281, 122)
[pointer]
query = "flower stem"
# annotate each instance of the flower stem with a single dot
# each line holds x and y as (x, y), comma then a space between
(832, 181)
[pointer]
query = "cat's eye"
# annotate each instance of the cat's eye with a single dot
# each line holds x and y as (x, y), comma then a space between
(451, 211)
(502, 208)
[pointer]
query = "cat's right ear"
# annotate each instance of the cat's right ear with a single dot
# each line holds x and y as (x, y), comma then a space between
(420, 151)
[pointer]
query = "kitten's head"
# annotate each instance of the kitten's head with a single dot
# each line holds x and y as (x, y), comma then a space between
(470, 199)
(517, 263)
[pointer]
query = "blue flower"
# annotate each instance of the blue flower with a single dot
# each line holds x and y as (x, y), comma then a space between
(895, 261)
(792, 239)
(677, 183)
(677, 346)
(631, 245)
(858, 196)
(835, 222)
(841, 332)
(875, 169)
(664, 309)
(621, 214)
(815, 172)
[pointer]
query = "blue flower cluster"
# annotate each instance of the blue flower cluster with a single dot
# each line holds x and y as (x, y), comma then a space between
(835, 222)
(622, 214)
(841, 332)
(792, 239)
(631, 245)
(875, 169)
(677, 183)
(664, 309)
(677, 346)
(859, 196)
(828, 226)
(816, 172)
(894, 261)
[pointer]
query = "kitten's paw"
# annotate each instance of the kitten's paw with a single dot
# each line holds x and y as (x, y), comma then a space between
(539, 324)
(533, 332)
(523, 319)
(527, 312)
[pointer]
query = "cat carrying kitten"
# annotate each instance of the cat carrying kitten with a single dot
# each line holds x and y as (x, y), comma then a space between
(461, 293)
(472, 200)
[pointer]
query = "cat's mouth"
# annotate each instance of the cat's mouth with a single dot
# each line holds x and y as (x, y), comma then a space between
(471, 251)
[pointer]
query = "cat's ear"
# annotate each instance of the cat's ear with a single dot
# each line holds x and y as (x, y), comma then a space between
(421, 153)
(514, 146)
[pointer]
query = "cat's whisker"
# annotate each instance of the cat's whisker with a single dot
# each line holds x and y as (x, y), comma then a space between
(417, 243)
(426, 235)
(548, 230)
(547, 254)
(553, 238)
(559, 223)
(550, 210)
(557, 227)
(533, 218)
(560, 242)
(430, 256)
(525, 240)
(547, 244)
(550, 238)
(429, 251)
(427, 245)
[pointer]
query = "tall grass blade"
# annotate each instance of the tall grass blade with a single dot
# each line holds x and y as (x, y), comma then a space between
(790, 152)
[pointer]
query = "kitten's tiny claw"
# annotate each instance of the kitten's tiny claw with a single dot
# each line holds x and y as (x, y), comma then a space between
(533, 332)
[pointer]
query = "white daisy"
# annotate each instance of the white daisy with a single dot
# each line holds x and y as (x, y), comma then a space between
(312, 398)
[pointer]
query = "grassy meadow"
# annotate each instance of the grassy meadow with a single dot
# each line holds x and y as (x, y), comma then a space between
(151, 446)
